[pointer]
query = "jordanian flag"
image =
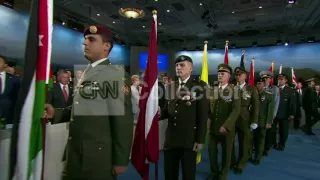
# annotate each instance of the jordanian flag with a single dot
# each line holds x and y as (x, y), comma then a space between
(27, 136)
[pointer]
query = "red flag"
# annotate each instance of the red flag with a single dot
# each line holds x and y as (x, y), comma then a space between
(145, 147)
(271, 70)
(226, 58)
(251, 76)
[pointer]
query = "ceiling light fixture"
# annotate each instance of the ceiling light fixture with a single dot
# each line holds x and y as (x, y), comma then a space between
(168, 10)
(200, 4)
(143, 26)
(133, 13)
(291, 1)
(98, 14)
(113, 22)
(159, 24)
(233, 12)
(260, 7)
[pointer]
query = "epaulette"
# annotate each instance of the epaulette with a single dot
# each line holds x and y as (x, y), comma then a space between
(268, 92)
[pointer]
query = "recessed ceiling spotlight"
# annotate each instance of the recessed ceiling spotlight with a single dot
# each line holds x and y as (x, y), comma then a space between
(168, 10)
(200, 4)
(260, 7)
(98, 14)
(113, 22)
(143, 26)
(233, 12)
(159, 24)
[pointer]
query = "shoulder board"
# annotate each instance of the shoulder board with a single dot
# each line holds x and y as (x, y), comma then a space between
(268, 92)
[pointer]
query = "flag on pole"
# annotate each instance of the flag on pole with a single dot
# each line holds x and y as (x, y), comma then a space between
(146, 141)
(242, 60)
(251, 76)
(280, 69)
(26, 159)
(204, 77)
(50, 83)
(226, 58)
(272, 70)
(294, 78)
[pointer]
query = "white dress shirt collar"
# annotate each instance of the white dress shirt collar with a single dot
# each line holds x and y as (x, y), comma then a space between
(224, 86)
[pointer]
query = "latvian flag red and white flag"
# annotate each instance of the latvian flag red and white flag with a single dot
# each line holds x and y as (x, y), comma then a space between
(294, 78)
(145, 148)
(26, 159)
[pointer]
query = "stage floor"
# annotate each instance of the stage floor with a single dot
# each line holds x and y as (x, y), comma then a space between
(300, 161)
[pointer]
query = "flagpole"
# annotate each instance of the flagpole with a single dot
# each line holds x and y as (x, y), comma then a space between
(156, 172)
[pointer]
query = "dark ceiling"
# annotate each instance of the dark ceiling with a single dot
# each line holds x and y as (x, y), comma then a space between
(190, 22)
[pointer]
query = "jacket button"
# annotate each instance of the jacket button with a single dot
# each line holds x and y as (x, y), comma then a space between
(175, 111)
(70, 138)
(194, 127)
(176, 104)
(76, 102)
(174, 124)
(100, 148)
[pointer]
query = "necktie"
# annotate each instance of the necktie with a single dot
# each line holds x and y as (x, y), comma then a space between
(0, 83)
(65, 94)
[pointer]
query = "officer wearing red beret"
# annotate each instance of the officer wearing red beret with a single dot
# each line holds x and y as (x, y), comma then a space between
(101, 124)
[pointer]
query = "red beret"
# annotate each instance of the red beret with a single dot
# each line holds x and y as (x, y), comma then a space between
(97, 30)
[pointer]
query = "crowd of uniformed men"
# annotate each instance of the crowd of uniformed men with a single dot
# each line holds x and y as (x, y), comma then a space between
(99, 146)
(256, 114)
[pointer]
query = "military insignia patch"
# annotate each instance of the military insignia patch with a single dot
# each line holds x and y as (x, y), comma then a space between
(182, 58)
(93, 29)
(126, 90)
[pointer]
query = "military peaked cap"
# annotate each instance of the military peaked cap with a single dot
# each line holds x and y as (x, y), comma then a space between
(239, 70)
(224, 68)
(266, 74)
(282, 75)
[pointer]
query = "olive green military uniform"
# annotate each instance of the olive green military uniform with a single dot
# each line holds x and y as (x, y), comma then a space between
(224, 110)
(265, 117)
(249, 113)
(187, 112)
(101, 127)
(287, 108)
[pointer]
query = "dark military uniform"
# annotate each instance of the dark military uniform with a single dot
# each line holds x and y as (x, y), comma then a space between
(187, 113)
(287, 108)
(310, 106)
(265, 117)
(225, 109)
(101, 126)
(248, 116)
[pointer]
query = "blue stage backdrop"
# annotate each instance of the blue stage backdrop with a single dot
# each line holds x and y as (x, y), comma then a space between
(162, 61)
(297, 56)
(67, 48)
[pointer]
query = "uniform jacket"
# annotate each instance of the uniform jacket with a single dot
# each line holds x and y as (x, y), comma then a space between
(187, 119)
(287, 105)
(276, 96)
(8, 99)
(224, 108)
(101, 126)
(249, 106)
(266, 108)
(310, 99)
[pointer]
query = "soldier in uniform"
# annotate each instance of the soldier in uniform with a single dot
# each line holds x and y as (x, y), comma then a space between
(101, 125)
(266, 77)
(247, 120)
(224, 111)
(187, 113)
(265, 111)
(309, 101)
(286, 113)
